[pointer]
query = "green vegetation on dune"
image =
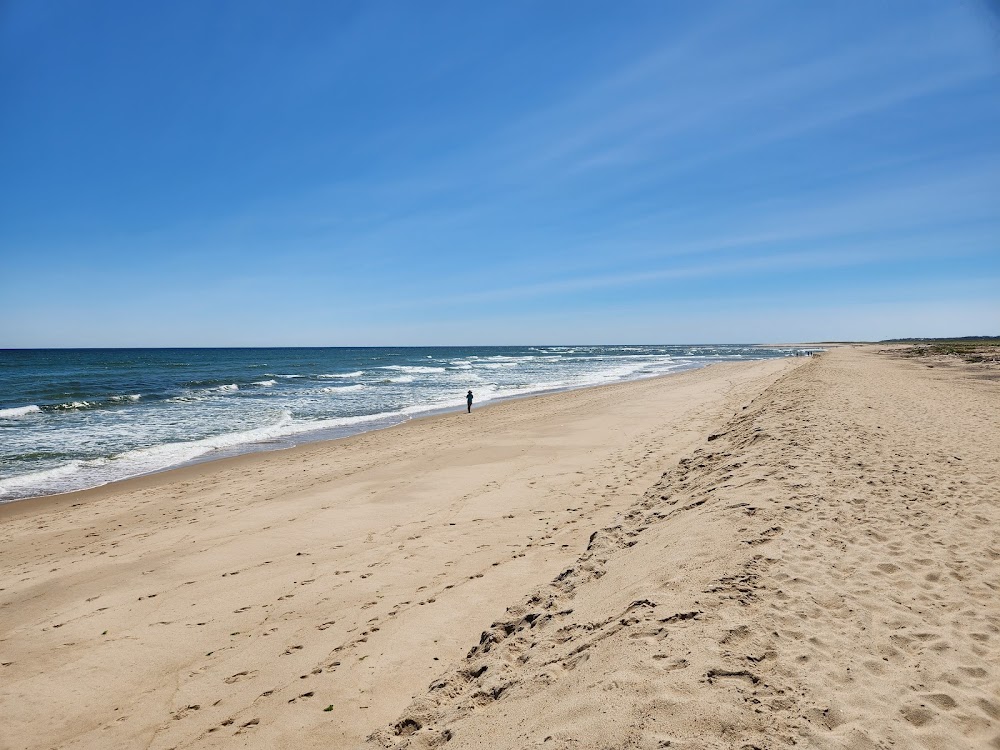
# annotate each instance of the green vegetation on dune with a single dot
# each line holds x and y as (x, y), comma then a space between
(968, 348)
(989, 340)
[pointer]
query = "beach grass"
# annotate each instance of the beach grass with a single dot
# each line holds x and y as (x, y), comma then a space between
(977, 350)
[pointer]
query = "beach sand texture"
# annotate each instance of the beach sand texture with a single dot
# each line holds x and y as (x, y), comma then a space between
(798, 552)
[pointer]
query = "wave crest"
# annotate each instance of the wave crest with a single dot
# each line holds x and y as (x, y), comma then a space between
(74, 405)
(19, 411)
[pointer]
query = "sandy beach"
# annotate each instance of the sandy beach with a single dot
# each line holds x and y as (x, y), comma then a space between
(792, 552)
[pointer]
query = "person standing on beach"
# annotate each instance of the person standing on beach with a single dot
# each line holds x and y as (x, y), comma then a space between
(468, 401)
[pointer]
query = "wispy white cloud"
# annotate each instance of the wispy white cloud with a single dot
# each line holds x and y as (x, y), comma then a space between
(848, 255)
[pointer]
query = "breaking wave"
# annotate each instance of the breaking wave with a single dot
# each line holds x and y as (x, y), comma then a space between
(19, 411)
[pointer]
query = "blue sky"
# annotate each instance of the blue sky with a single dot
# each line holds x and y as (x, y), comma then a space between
(260, 173)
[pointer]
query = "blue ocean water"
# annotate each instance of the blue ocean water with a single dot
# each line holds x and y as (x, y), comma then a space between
(71, 419)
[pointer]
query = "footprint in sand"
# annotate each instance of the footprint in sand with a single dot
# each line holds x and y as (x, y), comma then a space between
(178, 715)
(248, 725)
(942, 700)
(673, 664)
(917, 716)
(239, 676)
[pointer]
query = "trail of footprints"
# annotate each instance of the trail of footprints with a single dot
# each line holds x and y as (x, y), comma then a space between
(540, 640)
(336, 655)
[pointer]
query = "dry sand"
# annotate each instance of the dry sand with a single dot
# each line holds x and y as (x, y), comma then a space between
(797, 552)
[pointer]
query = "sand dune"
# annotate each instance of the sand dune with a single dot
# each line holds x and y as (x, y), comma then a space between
(772, 554)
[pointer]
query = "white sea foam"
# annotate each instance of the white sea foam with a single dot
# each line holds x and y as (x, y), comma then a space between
(91, 473)
(356, 374)
(414, 369)
(625, 371)
(265, 383)
(77, 474)
(187, 398)
(39, 481)
(521, 358)
(131, 397)
(402, 379)
(19, 411)
(342, 388)
(205, 394)
(74, 405)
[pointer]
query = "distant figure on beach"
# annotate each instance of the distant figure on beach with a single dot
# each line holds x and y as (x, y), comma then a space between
(468, 401)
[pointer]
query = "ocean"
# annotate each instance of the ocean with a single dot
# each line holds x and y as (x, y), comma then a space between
(77, 418)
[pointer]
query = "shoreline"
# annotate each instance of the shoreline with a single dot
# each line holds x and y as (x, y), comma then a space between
(53, 450)
(231, 454)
